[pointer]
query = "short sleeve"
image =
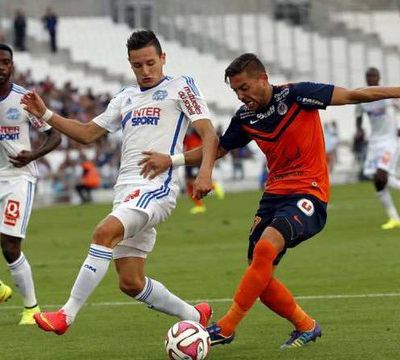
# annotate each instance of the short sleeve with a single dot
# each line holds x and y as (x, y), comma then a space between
(110, 119)
(191, 100)
(311, 95)
(234, 136)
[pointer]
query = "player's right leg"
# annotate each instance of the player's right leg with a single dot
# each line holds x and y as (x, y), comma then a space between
(107, 234)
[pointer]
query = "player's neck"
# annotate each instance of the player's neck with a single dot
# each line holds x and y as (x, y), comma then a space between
(5, 89)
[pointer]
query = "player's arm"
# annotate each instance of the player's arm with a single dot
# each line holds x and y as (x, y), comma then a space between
(154, 163)
(24, 157)
(343, 96)
(84, 133)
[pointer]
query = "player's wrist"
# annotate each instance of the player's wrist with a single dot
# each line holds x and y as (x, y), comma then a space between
(177, 160)
(47, 115)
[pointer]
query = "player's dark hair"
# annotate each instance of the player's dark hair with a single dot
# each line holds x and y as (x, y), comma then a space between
(6, 48)
(143, 38)
(246, 62)
(372, 69)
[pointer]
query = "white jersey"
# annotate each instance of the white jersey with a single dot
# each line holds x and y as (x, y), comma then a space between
(153, 119)
(14, 134)
(383, 125)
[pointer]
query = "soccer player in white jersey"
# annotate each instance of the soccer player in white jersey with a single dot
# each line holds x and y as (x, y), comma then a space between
(18, 174)
(153, 115)
(382, 154)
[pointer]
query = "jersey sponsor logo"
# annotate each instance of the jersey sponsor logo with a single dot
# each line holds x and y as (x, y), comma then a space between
(282, 108)
(280, 95)
(306, 206)
(133, 195)
(160, 95)
(189, 100)
(308, 101)
(143, 116)
(9, 133)
(11, 213)
(13, 114)
(262, 116)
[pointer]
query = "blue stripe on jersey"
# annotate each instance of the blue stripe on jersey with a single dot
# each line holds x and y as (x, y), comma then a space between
(27, 207)
(192, 85)
(18, 92)
(126, 118)
(164, 189)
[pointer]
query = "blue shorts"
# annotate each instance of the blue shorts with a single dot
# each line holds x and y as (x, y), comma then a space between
(297, 217)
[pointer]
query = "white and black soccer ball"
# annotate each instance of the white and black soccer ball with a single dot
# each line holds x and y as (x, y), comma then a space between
(187, 340)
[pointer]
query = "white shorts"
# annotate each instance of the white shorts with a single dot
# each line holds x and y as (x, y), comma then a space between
(16, 199)
(381, 156)
(155, 202)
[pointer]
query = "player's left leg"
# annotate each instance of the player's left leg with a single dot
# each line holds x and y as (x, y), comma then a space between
(134, 283)
(21, 274)
(254, 282)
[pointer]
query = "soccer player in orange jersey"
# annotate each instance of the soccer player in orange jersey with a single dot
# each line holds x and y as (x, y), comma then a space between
(285, 123)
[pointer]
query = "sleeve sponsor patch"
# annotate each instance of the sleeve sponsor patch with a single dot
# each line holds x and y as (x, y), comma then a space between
(189, 101)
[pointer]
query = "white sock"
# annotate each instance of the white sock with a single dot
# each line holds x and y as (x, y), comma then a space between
(394, 182)
(387, 201)
(21, 274)
(158, 297)
(92, 272)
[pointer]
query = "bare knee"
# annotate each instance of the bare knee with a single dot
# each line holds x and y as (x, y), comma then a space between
(131, 286)
(11, 247)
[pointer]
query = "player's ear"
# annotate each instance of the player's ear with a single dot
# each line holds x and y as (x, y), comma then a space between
(264, 76)
(163, 56)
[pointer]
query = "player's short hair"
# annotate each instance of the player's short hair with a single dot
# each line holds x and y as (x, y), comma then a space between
(372, 69)
(143, 38)
(7, 48)
(246, 62)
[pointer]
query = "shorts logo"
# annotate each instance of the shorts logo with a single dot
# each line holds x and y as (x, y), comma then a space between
(160, 95)
(257, 220)
(132, 195)
(306, 206)
(282, 108)
(11, 213)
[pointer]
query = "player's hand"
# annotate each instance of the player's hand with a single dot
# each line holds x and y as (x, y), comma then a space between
(33, 103)
(201, 186)
(23, 158)
(154, 164)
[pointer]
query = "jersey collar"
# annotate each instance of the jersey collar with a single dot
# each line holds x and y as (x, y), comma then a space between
(152, 87)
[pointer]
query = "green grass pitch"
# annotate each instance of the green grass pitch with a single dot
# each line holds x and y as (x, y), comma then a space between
(343, 277)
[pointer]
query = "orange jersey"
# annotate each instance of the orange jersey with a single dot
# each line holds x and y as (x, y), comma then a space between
(192, 141)
(289, 132)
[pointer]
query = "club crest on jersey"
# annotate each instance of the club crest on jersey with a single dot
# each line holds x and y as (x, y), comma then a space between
(12, 114)
(306, 206)
(160, 95)
(282, 108)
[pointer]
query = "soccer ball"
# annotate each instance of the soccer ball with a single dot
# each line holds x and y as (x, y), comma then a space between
(187, 340)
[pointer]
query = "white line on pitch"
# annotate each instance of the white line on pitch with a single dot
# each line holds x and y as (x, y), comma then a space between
(222, 300)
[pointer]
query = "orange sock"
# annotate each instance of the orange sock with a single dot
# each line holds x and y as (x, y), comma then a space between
(253, 283)
(280, 300)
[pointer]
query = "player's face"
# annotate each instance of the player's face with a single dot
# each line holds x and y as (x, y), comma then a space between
(6, 67)
(147, 66)
(372, 78)
(253, 90)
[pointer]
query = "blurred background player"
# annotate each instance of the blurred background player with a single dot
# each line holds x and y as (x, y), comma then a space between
(90, 179)
(293, 206)
(156, 113)
(192, 141)
(18, 176)
(382, 152)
